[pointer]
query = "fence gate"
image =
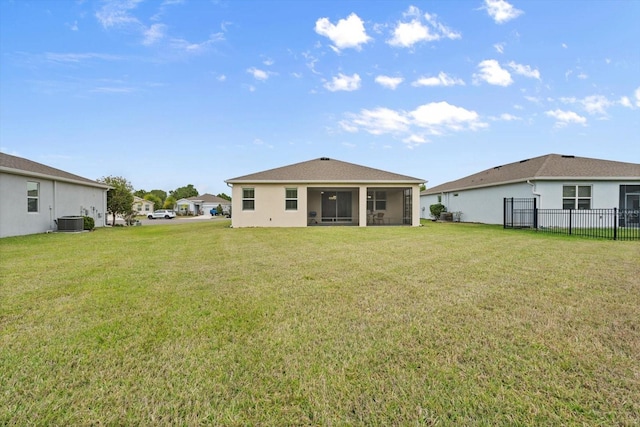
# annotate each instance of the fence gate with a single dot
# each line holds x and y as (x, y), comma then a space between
(519, 213)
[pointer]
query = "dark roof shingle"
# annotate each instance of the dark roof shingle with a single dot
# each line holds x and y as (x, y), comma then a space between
(552, 166)
(9, 163)
(324, 170)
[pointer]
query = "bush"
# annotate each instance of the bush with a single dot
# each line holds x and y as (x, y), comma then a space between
(89, 223)
(437, 209)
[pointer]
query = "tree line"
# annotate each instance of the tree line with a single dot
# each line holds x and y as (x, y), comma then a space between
(120, 196)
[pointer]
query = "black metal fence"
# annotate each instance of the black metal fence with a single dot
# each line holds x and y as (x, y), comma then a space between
(616, 224)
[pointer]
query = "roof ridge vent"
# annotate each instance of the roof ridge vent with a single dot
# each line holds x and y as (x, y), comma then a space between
(324, 158)
(568, 157)
(525, 160)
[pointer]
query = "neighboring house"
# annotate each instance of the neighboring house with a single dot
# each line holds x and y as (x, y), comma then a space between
(555, 181)
(34, 196)
(324, 192)
(201, 205)
(142, 206)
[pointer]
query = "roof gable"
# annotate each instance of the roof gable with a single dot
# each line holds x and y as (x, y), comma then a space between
(551, 166)
(13, 164)
(324, 169)
(208, 198)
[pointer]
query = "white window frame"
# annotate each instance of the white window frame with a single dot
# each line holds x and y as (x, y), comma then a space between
(578, 198)
(375, 199)
(31, 197)
(248, 199)
(290, 200)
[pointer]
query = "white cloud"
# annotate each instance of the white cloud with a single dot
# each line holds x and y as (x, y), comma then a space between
(505, 117)
(563, 118)
(268, 62)
(583, 76)
(492, 73)
(79, 57)
(499, 47)
(258, 74)
(378, 121)
(343, 82)
(637, 95)
(153, 34)
(189, 47)
(501, 11)
(594, 104)
(524, 70)
(115, 13)
(564, 46)
(221, 78)
(406, 34)
(442, 116)
(625, 102)
(347, 33)
(435, 118)
(389, 82)
(441, 80)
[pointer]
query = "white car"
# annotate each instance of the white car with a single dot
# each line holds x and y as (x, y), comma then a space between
(162, 213)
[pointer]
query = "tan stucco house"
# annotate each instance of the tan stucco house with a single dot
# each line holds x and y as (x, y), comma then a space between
(142, 206)
(325, 191)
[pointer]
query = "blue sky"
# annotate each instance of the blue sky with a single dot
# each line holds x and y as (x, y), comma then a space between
(176, 92)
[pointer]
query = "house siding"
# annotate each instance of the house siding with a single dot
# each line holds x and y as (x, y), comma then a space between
(55, 199)
(485, 205)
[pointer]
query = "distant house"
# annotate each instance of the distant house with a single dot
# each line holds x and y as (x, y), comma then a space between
(201, 205)
(555, 181)
(142, 206)
(325, 191)
(34, 196)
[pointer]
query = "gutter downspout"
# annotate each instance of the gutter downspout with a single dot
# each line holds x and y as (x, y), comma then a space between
(533, 189)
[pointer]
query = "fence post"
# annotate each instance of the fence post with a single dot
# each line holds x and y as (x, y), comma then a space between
(504, 213)
(615, 223)
(535, 215)
(570, 210)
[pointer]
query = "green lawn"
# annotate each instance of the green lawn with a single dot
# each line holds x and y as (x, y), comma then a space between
(197, 323)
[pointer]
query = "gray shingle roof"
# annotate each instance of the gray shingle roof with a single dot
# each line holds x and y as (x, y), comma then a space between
(13, 164)
(209, 198)
(327, 171)
(551, 166)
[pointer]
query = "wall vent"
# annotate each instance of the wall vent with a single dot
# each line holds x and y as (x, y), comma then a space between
(324, 158)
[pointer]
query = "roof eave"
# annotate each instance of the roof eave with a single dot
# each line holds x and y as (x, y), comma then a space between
(54, 178)
(324, 181)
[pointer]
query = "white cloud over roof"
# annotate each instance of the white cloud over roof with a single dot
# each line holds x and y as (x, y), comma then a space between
(421, 28)
(501, 11)
(347, 33)
(563, 118)
(435, 118)
(524, 70)
(442, 79)
(343, 82)
(389, 82)
(491, 72)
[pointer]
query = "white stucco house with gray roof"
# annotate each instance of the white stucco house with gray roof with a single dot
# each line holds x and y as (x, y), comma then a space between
(34, 196)
(555, 181)
(324, 191)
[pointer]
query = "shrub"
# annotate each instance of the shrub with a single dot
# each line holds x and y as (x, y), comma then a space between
(89, 223)
(437, 209)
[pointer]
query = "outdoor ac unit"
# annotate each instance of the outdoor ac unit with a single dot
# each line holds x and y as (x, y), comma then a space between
(70, 223)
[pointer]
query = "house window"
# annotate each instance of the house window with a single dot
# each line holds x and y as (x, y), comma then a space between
(248, 199)
(576, 197)
(291, 199)
(33, 195)
(376, 200)
(439, 198)
(146, 208)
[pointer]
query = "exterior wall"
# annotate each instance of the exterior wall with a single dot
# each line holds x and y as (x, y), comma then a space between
(482, 205)
(142, 206)
(55, 199)
(485, 205)
(270, 204)
(269, 207)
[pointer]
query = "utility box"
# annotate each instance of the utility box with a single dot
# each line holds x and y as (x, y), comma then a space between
(70, 223)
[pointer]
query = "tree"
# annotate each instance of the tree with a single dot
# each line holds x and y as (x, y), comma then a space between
(157, 203)
(224, 196)
(140, 193)
(160, 194)
(169, 203)
(119, 197)
(422, 187)
(184, 192)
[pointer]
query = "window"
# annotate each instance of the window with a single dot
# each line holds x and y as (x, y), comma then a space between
(248, 199)
(33, 193)
(291, 199)
(439, 198)
(376, 200)
(146, 207)
(576, 197)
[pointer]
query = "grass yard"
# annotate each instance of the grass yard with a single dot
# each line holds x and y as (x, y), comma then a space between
(446, 324)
